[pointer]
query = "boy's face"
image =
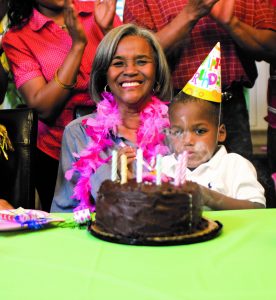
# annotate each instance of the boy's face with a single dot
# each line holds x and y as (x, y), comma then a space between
(195, 130)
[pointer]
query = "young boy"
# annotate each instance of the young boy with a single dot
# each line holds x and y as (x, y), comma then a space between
(224, 180)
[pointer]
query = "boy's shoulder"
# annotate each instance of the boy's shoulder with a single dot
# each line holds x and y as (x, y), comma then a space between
(231, 159)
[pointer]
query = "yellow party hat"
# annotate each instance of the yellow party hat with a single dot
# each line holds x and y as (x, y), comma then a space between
(206, 82)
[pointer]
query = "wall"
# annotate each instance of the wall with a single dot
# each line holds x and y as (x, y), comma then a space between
(258, 99)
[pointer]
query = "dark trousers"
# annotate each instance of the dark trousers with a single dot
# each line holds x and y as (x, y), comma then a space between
(271, 148)
(236, 119)
(46, 169)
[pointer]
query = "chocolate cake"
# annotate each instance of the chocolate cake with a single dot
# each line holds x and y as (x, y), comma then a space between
(146, 210)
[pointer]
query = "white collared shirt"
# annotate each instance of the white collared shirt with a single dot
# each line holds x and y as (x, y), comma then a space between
(227, 173)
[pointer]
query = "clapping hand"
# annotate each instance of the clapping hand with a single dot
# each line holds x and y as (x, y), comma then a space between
(222, 12)
(200, 8)
(104, 13)
(73, 25)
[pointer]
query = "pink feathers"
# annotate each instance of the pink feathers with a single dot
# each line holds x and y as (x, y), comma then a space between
(150, 138)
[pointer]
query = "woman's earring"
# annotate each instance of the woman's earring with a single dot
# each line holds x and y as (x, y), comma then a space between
(156, 88)
(106, 87)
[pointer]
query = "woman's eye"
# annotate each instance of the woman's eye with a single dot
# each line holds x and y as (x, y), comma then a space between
(141, 62)
(118, 64)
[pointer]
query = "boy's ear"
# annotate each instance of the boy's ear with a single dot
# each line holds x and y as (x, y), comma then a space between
(221, 133)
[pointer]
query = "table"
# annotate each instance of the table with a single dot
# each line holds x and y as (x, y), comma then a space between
(67, 263)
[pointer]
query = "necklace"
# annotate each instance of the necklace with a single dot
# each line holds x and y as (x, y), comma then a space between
(150, 138)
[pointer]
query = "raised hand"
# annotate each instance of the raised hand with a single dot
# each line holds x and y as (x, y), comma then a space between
(200, 8)
(222, 12)
(104, 13)
(74, 27)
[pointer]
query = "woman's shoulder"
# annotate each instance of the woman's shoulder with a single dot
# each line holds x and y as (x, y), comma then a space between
(14, 37)
(78, 123)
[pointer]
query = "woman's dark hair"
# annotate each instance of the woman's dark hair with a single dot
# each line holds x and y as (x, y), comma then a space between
(19, 12)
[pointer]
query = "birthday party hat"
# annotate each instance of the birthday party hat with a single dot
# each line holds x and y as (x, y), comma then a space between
(206, 82)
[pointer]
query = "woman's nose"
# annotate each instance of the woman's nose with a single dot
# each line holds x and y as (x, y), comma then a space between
(130, 68)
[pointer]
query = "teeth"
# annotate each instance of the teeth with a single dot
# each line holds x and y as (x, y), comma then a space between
(127, 84)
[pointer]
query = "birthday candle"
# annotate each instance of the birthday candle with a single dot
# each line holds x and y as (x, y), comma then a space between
(158, 169)
(177, 171)
(139, 165)
(114, 165)
(123, 169)
(183, 167)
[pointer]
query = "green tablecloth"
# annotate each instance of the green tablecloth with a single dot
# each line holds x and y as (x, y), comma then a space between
(66, 263)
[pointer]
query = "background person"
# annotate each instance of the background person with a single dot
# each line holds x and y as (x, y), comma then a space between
(189, 29)
(50, 47)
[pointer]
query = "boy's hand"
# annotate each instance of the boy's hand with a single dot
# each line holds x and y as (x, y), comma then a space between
(195, 188)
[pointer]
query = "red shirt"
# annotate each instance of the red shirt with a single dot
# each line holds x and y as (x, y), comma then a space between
(155, 14)
(38, 49)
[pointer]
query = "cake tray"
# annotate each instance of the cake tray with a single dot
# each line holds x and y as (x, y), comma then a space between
(211, 231)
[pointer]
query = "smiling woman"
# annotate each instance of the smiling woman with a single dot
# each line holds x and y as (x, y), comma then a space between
(132, 64)
(131, 74)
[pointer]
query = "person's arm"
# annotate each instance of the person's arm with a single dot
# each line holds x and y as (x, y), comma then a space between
(49, 98)
(218, 201)
(233, 185)
(260, 43)
(5, 205)
(180, 27)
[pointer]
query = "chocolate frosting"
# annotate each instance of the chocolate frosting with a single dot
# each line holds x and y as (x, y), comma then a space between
(145, 210)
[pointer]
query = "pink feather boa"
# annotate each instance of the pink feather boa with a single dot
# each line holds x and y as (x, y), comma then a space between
(154, 118)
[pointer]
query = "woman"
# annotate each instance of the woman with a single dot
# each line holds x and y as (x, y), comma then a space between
(50, 46)
(131, 65)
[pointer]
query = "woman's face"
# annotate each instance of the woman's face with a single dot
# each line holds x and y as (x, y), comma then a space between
(44, 6)
(131, 74)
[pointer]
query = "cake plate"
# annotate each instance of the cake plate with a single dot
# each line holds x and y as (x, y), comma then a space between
(212, 230)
